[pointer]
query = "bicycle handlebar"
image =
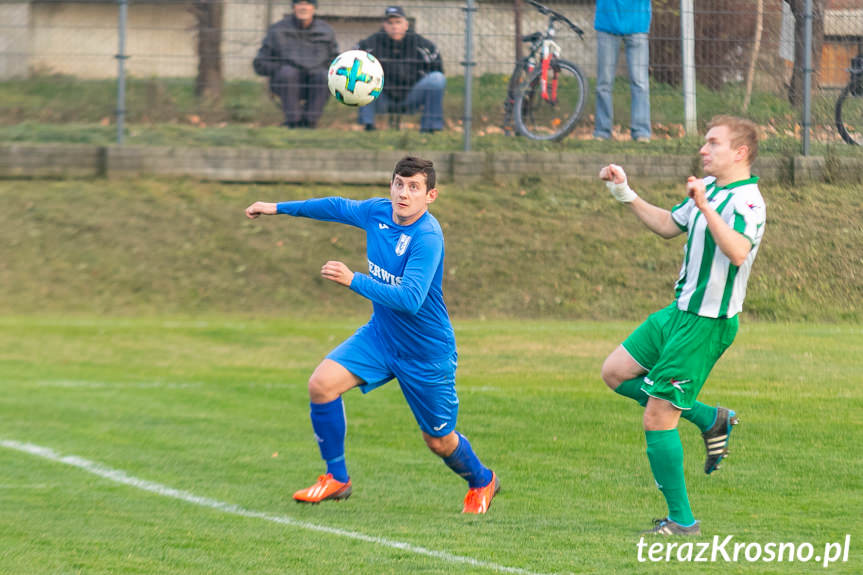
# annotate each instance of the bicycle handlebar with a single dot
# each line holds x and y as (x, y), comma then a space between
(546, 11)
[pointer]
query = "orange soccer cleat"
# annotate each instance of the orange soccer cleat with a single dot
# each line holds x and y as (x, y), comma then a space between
(478, 499)
(325, 488)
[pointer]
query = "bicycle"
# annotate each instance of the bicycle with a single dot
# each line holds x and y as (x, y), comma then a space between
(849, 106)
(545, 101)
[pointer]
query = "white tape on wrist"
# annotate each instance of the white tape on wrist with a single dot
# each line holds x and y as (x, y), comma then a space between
(621, 192)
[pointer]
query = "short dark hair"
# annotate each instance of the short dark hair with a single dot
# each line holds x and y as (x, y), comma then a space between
(743, 133)
(410, 166)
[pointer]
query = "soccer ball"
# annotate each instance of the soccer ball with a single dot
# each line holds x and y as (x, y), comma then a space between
(356, 78)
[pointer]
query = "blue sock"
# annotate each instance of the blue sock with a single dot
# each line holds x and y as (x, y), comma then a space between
(466, 464)
(330, 426)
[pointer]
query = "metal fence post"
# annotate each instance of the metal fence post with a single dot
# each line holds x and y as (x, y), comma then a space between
(468, 71)
(687, 39)
(121, 70)
(807, 74)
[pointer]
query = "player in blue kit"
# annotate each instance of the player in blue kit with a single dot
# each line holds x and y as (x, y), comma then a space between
(409, 336)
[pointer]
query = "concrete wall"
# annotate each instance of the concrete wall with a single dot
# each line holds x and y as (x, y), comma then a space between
(14, 39)
(847, 22)
(80, 39)
(51, 161)
(375, 167)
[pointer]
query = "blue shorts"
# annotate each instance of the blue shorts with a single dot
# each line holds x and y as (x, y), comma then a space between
(428, 385)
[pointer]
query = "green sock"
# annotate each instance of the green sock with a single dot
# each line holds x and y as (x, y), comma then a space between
(665, 453)
(631, 388)
(702, 415)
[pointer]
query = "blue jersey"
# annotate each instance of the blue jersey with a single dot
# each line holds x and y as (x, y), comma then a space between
(622, 17)
(405, 275)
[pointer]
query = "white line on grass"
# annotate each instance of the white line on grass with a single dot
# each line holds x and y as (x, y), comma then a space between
(86, 384)
(119, 476)
(71, 383)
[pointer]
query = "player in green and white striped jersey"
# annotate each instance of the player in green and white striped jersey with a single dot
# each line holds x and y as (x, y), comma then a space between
(710, 285)
(663, 364)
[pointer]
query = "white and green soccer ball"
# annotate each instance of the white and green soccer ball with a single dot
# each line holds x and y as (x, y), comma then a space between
(356, 78)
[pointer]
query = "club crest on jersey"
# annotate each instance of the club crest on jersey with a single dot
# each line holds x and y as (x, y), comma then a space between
(402, 244)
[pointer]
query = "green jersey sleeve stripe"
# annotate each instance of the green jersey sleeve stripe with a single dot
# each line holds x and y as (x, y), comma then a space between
(676, 209)
(740, 226)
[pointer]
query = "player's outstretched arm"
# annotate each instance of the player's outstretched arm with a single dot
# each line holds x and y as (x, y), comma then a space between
(733, 244)
(260, 208)
(657, 220)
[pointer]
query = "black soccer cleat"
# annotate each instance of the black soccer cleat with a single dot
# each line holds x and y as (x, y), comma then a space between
(716, 438)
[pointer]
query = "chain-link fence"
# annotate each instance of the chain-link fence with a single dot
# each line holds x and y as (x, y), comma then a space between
(191, 62)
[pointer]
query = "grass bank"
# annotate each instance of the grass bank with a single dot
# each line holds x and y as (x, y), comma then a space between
(514, 249)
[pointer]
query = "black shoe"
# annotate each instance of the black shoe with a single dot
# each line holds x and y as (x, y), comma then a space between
(668, 527)
(429, 131)
(716, 438)
(370, 128)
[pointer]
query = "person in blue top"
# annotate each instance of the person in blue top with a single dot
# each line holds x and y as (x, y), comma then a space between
(627, 20)
(408, 337)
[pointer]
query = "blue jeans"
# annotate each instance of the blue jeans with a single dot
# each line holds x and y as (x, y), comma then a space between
(638, 61)
(426, 94)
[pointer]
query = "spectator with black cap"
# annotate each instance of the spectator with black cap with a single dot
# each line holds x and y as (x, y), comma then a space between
(296, 56)
(413, 73)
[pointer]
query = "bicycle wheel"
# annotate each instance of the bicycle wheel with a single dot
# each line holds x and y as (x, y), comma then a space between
(519, 74)
(554, 116)
(849, 115)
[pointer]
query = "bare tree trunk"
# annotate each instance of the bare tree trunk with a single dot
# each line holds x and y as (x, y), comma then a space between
(209, 15)
(750, 74)
(795, 88)
(516, 8)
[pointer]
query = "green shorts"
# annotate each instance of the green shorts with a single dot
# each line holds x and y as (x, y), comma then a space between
(678, 349)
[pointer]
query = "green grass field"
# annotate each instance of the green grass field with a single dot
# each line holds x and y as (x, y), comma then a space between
(216, 406)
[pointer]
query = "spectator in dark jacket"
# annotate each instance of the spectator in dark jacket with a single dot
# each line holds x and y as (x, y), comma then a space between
(413, 73)
(296, 55)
